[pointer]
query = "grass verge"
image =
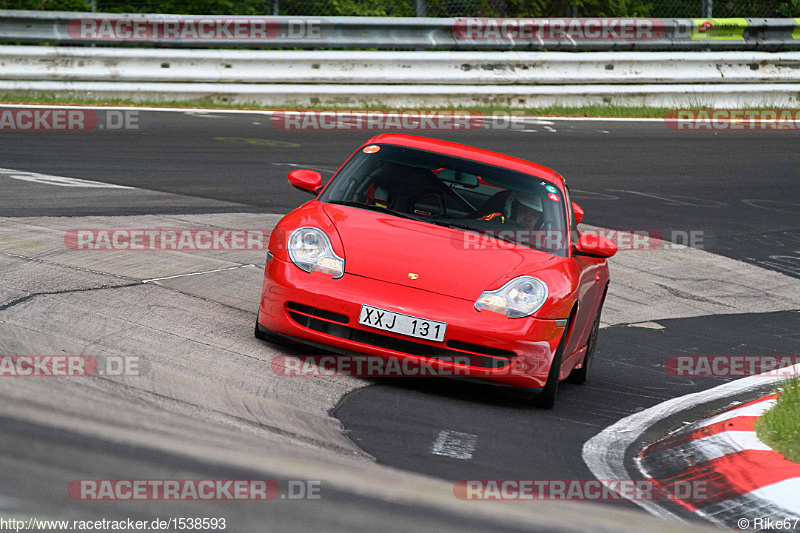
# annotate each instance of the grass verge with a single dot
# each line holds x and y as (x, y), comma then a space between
(599, 110)
(780, 426)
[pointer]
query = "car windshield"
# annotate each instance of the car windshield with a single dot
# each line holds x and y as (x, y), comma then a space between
(491, 201)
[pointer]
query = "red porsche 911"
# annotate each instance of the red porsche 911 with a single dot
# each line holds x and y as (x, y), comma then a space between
(439, 254)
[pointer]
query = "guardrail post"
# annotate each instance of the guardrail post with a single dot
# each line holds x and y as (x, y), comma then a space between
(707, 9)
(420, 11)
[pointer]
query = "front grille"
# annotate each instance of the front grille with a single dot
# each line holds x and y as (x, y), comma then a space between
(406, 346)
(477, 348)
(314, 312)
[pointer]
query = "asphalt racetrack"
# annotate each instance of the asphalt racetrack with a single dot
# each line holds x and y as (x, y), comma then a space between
(733, 196)
(738, 188)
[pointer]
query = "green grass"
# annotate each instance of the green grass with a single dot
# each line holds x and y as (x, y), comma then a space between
(780, 426)
(215, 103)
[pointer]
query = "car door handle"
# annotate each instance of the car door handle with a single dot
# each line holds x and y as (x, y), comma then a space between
(597, 277)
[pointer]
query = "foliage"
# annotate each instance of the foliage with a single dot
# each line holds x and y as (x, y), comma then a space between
(434, 8)
(780, 426)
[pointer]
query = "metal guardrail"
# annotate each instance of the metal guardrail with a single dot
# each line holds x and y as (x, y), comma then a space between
(378, 68)
(690, 96)
(79, 28)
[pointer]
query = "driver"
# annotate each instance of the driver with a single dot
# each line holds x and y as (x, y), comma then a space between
(509, 205)
(526, 209)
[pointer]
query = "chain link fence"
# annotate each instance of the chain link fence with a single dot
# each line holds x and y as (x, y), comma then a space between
(430, 8)
(725, 8)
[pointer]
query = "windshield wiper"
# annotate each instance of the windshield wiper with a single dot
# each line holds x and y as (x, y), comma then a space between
(452, 225)
(489, 233)
(374, 208)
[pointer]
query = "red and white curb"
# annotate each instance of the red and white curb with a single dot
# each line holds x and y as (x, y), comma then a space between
(739, 481)
(736, 477)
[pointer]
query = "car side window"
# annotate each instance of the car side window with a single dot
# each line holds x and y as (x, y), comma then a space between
(570, 211)
(573, 226)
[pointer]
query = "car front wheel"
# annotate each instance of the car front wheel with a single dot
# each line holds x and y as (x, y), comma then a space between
(581, 375)
(547, 397)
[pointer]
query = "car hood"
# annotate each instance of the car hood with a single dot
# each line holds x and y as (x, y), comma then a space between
(445, 260)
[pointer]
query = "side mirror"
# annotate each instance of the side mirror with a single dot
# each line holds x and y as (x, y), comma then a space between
(595, 246)
(306, 180)
(578, 213)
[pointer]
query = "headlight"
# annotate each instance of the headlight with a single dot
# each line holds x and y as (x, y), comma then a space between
(518, 298)
(311, 250)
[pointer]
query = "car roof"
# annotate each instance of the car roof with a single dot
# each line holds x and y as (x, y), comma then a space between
(469, 152)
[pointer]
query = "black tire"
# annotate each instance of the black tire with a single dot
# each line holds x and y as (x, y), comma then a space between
(547, 398)
(581, 375)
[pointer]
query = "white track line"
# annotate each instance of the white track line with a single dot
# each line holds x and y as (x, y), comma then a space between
(604, 453)
(61, 181)
(198, 273)
(455, 444)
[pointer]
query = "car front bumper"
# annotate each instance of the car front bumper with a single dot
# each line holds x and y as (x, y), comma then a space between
(318, 310)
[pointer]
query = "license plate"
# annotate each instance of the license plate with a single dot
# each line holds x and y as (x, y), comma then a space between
(410, 326)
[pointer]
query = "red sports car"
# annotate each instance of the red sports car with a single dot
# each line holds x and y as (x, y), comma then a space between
(439, 254)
